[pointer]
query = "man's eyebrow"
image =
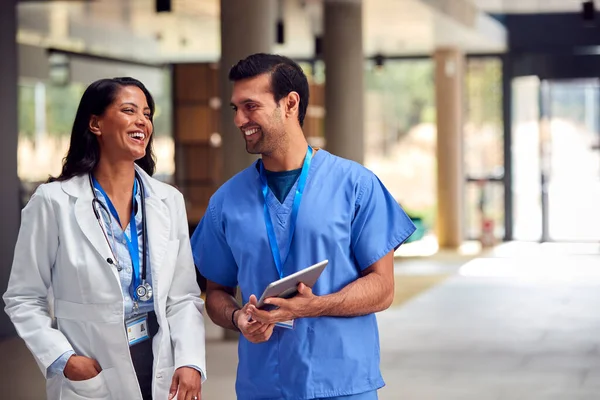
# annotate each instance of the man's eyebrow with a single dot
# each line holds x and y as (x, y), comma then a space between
(245, 101)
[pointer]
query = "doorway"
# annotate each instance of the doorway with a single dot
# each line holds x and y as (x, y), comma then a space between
(556, 159)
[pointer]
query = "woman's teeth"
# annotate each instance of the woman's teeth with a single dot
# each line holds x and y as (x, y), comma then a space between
(137, 135)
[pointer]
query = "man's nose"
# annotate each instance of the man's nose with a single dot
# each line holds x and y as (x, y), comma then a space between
(240, 119)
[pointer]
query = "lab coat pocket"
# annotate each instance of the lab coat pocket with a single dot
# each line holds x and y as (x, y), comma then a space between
(94, 388)
(163, 379)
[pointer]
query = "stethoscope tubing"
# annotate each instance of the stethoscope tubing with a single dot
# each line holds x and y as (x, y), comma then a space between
(96, 202)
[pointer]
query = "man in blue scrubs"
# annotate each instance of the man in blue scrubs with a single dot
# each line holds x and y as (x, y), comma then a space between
(294, 207)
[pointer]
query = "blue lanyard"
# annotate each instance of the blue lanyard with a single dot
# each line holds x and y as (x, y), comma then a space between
(132, 244)
(295, 207)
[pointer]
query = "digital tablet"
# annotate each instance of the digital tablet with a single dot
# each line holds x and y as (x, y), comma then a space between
(288, 287)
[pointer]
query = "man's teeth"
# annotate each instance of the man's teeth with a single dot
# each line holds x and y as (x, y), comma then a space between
(137, 135)
(250, 132)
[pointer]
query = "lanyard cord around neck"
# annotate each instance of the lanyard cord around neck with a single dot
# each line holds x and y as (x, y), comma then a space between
(296, 205)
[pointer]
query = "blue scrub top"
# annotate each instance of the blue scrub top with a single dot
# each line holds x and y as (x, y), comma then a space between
(346, 216)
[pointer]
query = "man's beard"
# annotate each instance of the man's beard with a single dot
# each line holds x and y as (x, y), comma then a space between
(256, 147)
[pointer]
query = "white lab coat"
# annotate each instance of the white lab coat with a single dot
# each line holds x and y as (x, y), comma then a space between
(61, 246)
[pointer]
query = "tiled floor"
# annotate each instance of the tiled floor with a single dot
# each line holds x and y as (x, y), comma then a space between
(482, 338)
(522, 323)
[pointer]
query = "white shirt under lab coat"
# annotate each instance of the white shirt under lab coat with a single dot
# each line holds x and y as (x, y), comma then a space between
(61, 247)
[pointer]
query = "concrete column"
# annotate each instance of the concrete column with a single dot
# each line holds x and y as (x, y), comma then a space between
(247, 27)
(9, 180)
(450, 177)
(344, 71)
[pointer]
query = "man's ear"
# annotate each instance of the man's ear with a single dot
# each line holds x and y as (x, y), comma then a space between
(94, 125)
(292, 104)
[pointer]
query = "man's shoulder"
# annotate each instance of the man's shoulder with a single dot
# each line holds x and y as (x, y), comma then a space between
(238, 185)
(344, 168)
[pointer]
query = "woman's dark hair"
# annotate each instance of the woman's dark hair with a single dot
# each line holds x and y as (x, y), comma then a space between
(84, 150)
(286, 77)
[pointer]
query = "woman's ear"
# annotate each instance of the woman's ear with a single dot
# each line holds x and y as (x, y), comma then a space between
(292, 104)
(94, 125)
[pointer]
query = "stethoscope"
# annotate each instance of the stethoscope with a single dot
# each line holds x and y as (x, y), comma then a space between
(144, 289)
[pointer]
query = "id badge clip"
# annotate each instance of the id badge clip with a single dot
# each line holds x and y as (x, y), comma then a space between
(289, 324)
(137, 329)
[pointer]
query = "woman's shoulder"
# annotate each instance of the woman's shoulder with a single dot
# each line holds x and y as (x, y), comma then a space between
(50, 190)
(63, 188)
(47, 195)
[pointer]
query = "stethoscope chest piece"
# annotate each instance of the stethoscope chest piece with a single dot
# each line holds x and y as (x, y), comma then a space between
(144, 291)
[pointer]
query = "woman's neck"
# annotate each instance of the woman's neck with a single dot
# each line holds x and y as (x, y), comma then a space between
(116, 178)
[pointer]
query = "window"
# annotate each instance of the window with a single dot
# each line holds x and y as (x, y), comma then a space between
(400, 137)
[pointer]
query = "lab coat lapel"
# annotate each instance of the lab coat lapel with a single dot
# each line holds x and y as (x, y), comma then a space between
(79, 187)
(158, 231)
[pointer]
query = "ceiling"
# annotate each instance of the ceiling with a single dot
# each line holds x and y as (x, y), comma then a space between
(531, 6)
(132, 30)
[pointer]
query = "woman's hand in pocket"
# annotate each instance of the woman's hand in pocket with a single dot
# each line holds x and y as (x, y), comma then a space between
(80, 368)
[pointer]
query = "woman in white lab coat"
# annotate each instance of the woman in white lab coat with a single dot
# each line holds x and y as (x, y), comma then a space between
(112, 243)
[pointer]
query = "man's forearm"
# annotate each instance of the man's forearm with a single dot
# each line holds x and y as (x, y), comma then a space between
(220, 306)
(368, 294)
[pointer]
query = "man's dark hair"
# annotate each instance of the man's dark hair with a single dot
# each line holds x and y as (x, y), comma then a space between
(286, 77)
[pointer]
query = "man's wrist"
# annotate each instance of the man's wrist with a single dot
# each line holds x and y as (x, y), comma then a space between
(316, 308)
(234, 319)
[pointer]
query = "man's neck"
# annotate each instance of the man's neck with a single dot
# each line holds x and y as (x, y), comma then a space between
(116, 178)
(287, 158)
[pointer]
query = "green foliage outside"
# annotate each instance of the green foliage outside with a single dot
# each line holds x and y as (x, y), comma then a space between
(484, 91)
(61, 106)
(407, 87)
(26, 110)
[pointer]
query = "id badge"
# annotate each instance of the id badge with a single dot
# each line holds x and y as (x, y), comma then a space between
(289, 324)
(137, 329)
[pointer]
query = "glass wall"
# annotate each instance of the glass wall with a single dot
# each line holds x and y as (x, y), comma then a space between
(46, 113)
(527, 160)
(484, 147)
(47, 109)
(571, 160)
(400, 137)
